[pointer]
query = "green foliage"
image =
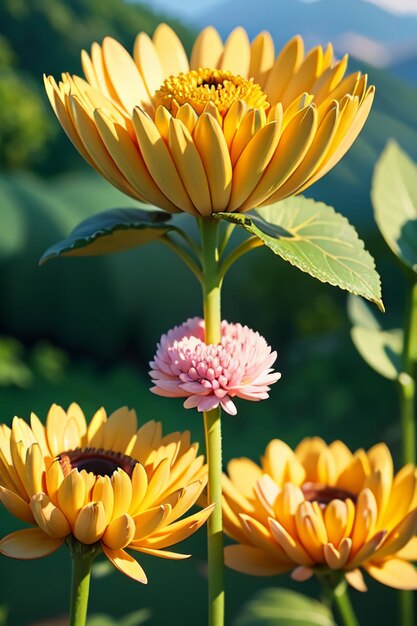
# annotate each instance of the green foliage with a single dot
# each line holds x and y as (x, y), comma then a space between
(112, 231)
(394, 196)
(380, 349)
(133, 619)
(282, 607)
(317, 240)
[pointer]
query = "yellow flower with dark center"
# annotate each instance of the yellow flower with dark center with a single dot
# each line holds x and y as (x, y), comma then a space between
(322, 508)
(106, 484)
(232, 128)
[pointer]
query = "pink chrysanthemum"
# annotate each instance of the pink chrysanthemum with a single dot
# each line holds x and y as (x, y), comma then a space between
(208, 375)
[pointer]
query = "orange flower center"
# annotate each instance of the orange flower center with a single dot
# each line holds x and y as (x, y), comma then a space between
(96, 460)
(200, 87)
(323, 494)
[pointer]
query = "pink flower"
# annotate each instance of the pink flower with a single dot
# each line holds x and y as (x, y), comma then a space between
(208, 375)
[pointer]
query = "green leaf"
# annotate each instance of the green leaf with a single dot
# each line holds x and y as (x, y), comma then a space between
(112, 231)
(394, 196)
(317, 240)
(282, 607)
(380, 349)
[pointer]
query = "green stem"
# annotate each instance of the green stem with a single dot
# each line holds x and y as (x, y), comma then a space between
(406, 386)
(82, 559)
(212, 424)
(336, 591)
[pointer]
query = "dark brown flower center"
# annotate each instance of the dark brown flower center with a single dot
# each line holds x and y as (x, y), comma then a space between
(96, 460)
(323, 494)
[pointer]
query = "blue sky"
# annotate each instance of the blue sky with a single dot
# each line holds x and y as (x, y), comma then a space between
(187, 8)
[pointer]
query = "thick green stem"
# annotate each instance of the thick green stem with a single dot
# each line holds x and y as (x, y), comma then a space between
(82, 559)
(406, 384)
(212, 424)
(336, 591)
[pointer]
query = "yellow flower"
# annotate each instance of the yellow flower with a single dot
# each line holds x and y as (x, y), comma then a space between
(106, 483)
(322, 508)
(232, 128)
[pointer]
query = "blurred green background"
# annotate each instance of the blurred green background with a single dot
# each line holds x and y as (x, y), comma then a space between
(85, 329)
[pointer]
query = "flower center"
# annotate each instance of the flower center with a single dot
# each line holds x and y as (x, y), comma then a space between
(323, 494)
(96, 460)
(200, 87)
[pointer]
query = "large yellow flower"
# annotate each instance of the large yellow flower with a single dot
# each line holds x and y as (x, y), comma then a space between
(233, 128)
(323, 508)
(107, 484)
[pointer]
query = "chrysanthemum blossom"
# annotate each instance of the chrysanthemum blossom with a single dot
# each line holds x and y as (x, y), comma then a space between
(107, 484)
(322, 507)
(234, 127)
(210, 375)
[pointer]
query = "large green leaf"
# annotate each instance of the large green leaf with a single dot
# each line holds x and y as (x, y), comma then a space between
(282, 607)
(394, 196)
(380, 349)
(317, 240)
(112, 231)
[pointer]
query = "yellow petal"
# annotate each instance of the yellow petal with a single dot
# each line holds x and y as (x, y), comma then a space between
(148, 438)
(355, 580)
(308, 453)
(189, 166)
(95, 427)
(148, 61)
(293, 548)
(311, 530)
(409, 552)
(103, 80)
(399, 536)
(232, 120)
(275, 459)
(54, 477)
(119, 430)
(207, 49)
(35, 470)
(159, 161)
(401, 497)
(16, 505)
(286, 63)
(293, 145)
(75, 412)
(21, 431)
(286, 505)
(259, 536)
(178, 531)
(244, 473)
(367, 550)
(336, 558)
(187, 116)
(261, 58)
(103, 492)
(341, 455)
(58, 104)
(249, 126)
(122, 489)
(91, 523)
(252, 561)
(304, 78)
(353, 477)
(212, 146)
(329, 80)
(163, 554)
(365, 519)
(30, 543)
(252, 163)
(124, 75)
(394, 573)
(125, 564)
(89, 135)
(55, 425)
(139, 480)
(71, 496)
(336, 518)
(148, 522)
(119, 533)
(236, 53)
(170, 51)
(40, 434)
(156, 485)
(48, 517)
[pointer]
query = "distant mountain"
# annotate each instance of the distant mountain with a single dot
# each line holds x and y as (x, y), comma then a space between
(406, 69)
(318, 21)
